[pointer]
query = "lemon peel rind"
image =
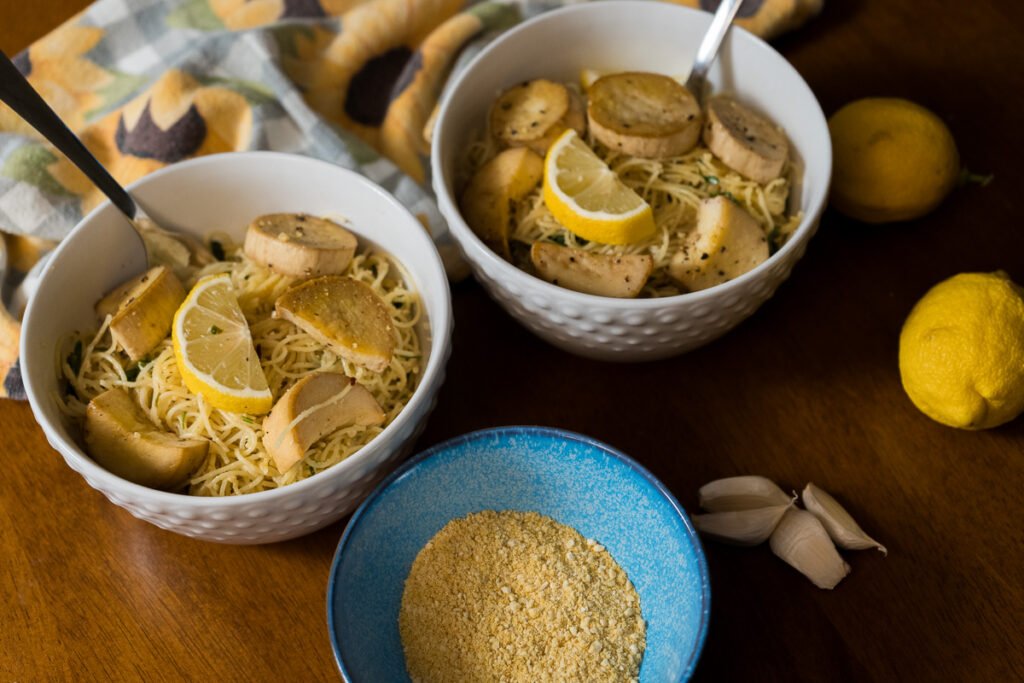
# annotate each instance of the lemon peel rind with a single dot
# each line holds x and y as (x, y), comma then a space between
(989, 395)
(596, 226)
(249, 400)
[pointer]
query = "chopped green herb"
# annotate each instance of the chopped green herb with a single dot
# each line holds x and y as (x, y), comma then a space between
(557, 239)
(132, 373)
(75, 357)
(215, 330)
(711, 180)
(729, 196)
(248, 420)
(217, 249)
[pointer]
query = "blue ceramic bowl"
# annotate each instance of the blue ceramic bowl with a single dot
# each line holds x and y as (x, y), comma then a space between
(573, 479)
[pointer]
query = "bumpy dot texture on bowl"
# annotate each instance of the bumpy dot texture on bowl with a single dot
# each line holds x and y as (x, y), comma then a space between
(640, 36)
(617, 334)
(325, 500)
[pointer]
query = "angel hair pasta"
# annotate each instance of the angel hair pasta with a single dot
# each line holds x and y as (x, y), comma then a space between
(237, 461)
(674, 179)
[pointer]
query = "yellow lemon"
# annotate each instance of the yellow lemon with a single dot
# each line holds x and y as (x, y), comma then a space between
(893, 160)
(962, 351)
(588, 198)
(214, 349)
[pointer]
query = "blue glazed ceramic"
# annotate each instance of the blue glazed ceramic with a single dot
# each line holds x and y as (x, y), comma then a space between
(573, 479)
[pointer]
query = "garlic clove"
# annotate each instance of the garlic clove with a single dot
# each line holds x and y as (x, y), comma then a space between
(741, 493)
(837, 521)
(741, 527)
(801, 541)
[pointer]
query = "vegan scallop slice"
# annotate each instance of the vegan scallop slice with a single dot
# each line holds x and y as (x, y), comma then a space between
(317, 405)
(143, 310)
(122, 438)
(524, 113)
(616, 275)
(299, 245)
(534, 114)
(506, 178)
(745, 141)
(726, 243)
(346, 315)
(643, 114)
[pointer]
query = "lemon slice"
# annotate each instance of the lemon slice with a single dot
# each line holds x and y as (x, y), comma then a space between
(214, 349)
(589, 199)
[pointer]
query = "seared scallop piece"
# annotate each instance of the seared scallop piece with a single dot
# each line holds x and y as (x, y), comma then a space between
(299, 245)
(726, 243)
(143, 310)
(616, 275)
(317, 405)
(745, 141)
(643, 115)
(534, 114)
(345, 314)
(122, 438)
(500, 182)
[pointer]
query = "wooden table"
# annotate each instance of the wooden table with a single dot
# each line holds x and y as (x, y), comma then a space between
(807, 389)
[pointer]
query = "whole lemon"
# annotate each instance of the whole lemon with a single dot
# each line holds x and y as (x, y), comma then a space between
(962, 351)
(893, 160)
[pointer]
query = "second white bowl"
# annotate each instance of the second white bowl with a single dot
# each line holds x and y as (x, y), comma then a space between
(620, 35)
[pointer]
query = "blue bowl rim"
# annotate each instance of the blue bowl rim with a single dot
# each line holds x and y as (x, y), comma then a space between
(567, 435)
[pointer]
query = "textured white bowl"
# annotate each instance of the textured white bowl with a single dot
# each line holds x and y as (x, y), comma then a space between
(621, 35)
(224, 193)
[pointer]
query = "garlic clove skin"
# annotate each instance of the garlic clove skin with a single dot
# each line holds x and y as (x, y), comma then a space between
(741, 493)
(837, 521)
(741, 527)
(801, 541)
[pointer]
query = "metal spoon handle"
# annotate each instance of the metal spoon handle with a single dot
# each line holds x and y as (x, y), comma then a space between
(18, 94)
(708, 49)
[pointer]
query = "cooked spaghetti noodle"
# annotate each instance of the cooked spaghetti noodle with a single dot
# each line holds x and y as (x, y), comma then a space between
(673, 186)
(237, 461)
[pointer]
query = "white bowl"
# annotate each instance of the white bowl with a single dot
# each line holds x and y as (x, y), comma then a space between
(224, 193)
(618, 35)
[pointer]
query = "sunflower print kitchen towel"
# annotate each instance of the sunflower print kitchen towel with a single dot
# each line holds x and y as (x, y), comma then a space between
(147, 83)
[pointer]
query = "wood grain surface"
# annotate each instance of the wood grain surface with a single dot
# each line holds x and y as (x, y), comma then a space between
(806, 390)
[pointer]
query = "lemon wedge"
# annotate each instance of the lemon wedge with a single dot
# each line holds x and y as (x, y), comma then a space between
(214, 349)
(588, 198)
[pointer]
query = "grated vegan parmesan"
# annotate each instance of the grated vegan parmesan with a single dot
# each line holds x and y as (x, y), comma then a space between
(508, 597)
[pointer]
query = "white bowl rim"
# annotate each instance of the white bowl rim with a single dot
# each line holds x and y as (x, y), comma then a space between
(440, 333)
(463, 231)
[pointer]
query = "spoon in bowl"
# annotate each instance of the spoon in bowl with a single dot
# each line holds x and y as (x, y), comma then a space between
(18, 94)
(708, 48)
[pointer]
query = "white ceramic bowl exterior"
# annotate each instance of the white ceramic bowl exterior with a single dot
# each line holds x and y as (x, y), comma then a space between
(614, 36)
(224, 193)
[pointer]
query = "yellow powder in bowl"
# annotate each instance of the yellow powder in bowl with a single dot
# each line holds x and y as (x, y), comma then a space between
(516, 596)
